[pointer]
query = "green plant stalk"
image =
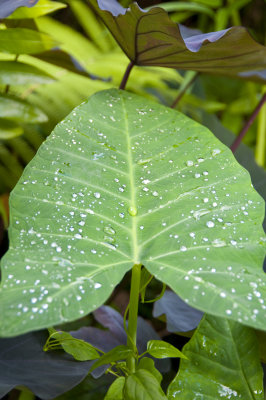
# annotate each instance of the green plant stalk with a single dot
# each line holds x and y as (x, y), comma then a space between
(133, 314)
(261, 136)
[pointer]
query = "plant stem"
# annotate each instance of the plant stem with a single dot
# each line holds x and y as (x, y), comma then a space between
(133, 314)
(261, 136)
(126, 75)
(246, 127)
(184, 88)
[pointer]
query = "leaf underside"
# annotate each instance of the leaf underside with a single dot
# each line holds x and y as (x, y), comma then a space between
(123, 181)
(151, 38)
(223, 364)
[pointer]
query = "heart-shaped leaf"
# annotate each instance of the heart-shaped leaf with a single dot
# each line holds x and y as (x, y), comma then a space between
(223, 363)
(24, 363)
(124, 181)
(152, 38)
(180, 316)
(9, 6)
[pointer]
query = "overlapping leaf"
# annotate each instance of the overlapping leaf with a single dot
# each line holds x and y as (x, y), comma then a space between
(223, 363)
(43, 7)
(9, 6)
(124, 181)
(151, 38)
(17, 73)
(24, 363)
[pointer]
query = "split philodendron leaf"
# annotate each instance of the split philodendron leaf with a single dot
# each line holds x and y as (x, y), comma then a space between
(151, 38)
(124, 181)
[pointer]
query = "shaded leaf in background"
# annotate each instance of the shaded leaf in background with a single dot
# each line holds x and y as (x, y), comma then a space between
(151, 38)
(19, 110)
(24, 41)
(180, 317)
(43, 7)
(164, 192)
(24, 363)
(17, 73)
(89, 389)
(9, 129)
(116, 335)
(9, 6)
(223, 363)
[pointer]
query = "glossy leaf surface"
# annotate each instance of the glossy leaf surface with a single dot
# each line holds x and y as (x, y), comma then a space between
(43, 7)
(16, 73)
(24, 41)
(148, 364)
(19, 110)
(223, 363)
(151, 38)
(143, 385)
(161, 349)
(123, 181)
(24, 363)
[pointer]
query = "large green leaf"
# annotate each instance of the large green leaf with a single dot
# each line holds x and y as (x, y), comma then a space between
(223, 363)
(17, 73)
(24, 41)
(122, 181)
(152, 38)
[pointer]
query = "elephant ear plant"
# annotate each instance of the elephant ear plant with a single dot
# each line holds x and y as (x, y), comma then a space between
(124, 183)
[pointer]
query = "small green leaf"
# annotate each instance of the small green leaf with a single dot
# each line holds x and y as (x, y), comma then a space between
(116, 354)
(16, 73)
(19, 110)
(43, 7)
(9, 129)
(161, 349)
(143, 385)
(115, 391)
(79, 349)
(25, 41)
(148, 364)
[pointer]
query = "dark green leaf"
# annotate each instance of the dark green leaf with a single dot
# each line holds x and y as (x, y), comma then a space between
(24, 41)
(151, 38)
(79, 349)
(19, 110)
(223, 363)
(148, 364)
(161, 349)
(122, 181)
(119, 353)
(143, 385)
(43, 7)
(115, 391)
(17, 73)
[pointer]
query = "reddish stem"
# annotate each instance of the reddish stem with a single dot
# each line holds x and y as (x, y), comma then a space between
(247, 125)
(126, 75)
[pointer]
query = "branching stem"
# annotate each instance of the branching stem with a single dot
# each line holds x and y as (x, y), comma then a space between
(247, 125)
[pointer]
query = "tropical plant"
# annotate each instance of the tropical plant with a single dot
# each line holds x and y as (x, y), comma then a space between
(124, 184)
